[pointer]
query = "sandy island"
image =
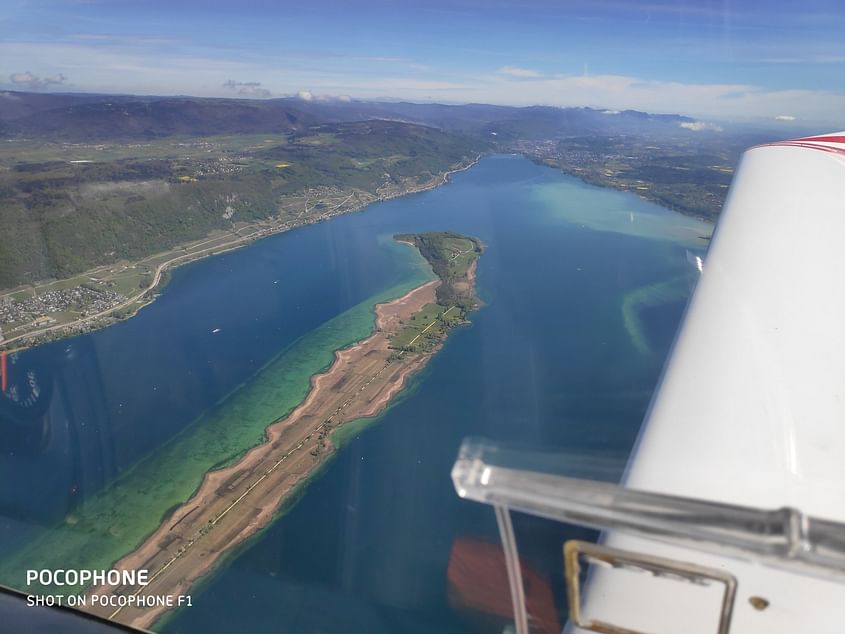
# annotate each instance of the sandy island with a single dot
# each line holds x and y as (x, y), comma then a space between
(234, 502)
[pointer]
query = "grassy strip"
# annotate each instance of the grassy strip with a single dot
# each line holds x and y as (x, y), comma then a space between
(427, 328)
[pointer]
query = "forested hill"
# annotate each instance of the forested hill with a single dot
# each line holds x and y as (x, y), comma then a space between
(136, 118)
(68, 207)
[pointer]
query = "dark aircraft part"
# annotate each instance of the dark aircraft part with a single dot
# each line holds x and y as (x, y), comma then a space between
(16, 615)
(24, 401)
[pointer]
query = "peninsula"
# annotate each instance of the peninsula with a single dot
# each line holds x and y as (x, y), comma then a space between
(234, 502)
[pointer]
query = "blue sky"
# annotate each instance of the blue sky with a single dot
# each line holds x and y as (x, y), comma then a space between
(721, 59)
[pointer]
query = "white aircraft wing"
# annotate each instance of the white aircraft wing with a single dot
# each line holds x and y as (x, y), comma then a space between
(731, 517)
(751, 407)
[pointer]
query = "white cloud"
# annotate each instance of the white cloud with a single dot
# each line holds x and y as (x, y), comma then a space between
(149, 70)
(246, 88)
(620, 92)
(785, 117)
(22, 78)
(698, 126)
(305, 95)
(403, 84)
(802, 60)
(103, 69)
(33, 82)
(516, 71)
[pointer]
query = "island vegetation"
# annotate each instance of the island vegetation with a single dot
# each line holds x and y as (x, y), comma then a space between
(453, 258)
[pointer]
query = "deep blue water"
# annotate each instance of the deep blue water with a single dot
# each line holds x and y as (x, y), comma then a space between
(547, 363)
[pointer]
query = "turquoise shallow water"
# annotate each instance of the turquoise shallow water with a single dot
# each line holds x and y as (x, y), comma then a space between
(583, 287)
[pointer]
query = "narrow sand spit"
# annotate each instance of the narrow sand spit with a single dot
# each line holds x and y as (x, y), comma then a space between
(234, 502)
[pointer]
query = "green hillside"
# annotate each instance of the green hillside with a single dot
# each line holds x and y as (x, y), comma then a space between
(62, 217)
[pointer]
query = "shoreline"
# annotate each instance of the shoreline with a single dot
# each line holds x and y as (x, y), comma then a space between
(147, 296)
(647, 196)
(201, 531)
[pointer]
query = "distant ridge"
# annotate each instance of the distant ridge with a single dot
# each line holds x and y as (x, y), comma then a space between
(109, 117)
(86, 117)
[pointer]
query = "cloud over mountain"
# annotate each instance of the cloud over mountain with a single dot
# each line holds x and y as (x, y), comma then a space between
(247, 88)
(34, 82)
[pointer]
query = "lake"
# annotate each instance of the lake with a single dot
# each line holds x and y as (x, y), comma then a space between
(583, 289)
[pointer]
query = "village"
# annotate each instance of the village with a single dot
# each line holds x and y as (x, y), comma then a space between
(42, 310)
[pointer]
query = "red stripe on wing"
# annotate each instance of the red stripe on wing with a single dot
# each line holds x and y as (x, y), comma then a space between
(823, 139)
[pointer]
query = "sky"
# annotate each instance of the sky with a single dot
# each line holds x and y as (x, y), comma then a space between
(720, 60)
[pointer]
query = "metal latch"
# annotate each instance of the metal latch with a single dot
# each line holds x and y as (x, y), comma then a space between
(575, 552)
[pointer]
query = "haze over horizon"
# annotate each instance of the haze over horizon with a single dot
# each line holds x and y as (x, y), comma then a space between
(717, 60)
